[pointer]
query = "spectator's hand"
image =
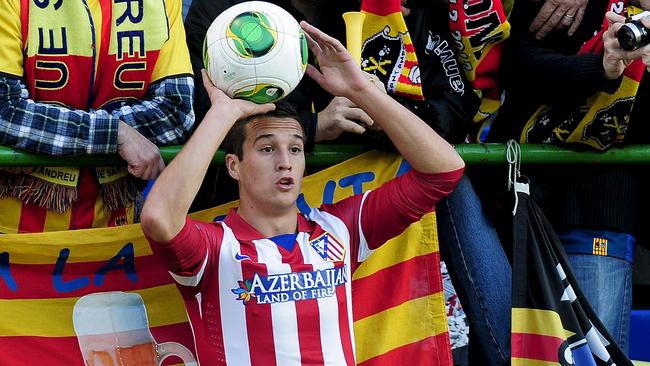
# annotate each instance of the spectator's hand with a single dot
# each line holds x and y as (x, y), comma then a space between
(558, 14)
(405, 11)
(341, 115)
(615, 59)
(17, 169)
(239, 107)
(143, 157)
(339, 74)
(627, 57)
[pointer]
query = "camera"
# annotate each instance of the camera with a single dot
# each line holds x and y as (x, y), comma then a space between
(633, 34)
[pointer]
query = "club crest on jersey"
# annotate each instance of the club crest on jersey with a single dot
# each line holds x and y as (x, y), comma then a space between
(294, 286)
(328, 247)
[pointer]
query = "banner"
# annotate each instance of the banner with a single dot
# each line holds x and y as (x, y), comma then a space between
(552, 322)
(61, 292)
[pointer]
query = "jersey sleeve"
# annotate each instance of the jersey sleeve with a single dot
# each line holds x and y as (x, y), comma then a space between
(380, 215)
(192, 253)
(174, 58)
(387, 211)
(11, 44)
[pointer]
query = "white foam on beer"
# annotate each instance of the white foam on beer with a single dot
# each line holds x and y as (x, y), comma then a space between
(109, 312)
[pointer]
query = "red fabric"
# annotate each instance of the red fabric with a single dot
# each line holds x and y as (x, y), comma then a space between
(381, 7)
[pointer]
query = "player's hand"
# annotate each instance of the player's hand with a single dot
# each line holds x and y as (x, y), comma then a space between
(142, 156)
(339, 74)
(17, 169)
(239, 108)
(558, 14)
(341, 115)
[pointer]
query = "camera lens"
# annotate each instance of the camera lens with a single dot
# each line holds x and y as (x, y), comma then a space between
(628, 36)
(633, 35)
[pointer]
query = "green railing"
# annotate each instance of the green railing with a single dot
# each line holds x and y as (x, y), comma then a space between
(332, 154)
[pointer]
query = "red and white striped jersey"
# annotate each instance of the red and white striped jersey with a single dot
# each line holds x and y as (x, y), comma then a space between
(253, 300)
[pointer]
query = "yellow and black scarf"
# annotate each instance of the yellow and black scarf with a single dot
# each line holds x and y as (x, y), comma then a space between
(601, 121)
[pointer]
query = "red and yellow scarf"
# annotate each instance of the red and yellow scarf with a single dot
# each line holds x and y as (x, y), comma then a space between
(387, 49)
(86, 55)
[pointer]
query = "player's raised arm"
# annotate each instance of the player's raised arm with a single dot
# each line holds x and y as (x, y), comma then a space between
(168, 202)
(341, 76)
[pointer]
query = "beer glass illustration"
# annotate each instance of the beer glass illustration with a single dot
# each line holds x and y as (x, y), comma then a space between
(113, 330)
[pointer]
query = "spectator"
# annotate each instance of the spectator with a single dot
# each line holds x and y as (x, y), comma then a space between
(266, 157)
(72, 84)
(562, 90)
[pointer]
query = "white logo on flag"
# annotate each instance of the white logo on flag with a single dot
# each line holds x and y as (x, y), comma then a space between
(328, 247)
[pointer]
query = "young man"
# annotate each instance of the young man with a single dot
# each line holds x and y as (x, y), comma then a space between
(268, 286)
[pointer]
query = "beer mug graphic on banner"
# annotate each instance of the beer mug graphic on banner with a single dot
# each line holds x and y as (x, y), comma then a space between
(113, 330)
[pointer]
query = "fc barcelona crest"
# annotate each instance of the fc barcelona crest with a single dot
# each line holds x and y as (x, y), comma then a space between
(328, 247)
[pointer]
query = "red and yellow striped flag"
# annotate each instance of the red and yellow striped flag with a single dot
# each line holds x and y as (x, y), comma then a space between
(399, 314)
(42, 276)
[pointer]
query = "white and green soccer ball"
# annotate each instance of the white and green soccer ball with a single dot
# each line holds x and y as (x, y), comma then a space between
(256, 51)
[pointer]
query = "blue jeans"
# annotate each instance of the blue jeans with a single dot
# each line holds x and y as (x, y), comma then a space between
(607, 284)
(480, 272)
(186, 7)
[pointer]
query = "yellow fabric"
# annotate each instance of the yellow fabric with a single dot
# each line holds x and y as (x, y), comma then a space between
(529, 362)
(66, 176)
(97, 244)
(78, 37)
(11, 44)
(110, 174)
(540, 322)
(174, 56)
(33, 317)
(10, 209)
(387, 335)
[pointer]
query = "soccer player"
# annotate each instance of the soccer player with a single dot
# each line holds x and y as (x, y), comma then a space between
(267, 286)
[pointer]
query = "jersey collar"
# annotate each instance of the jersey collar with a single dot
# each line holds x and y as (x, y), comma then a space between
(245, 232)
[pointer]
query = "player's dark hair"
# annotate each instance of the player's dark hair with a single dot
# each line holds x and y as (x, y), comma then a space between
(234, 141)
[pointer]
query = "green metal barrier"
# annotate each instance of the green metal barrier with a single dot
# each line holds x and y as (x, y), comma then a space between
(331, 154)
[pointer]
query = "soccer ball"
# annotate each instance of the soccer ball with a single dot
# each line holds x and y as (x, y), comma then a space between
(255, 51)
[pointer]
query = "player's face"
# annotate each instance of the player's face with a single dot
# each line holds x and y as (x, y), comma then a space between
(270, 175)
